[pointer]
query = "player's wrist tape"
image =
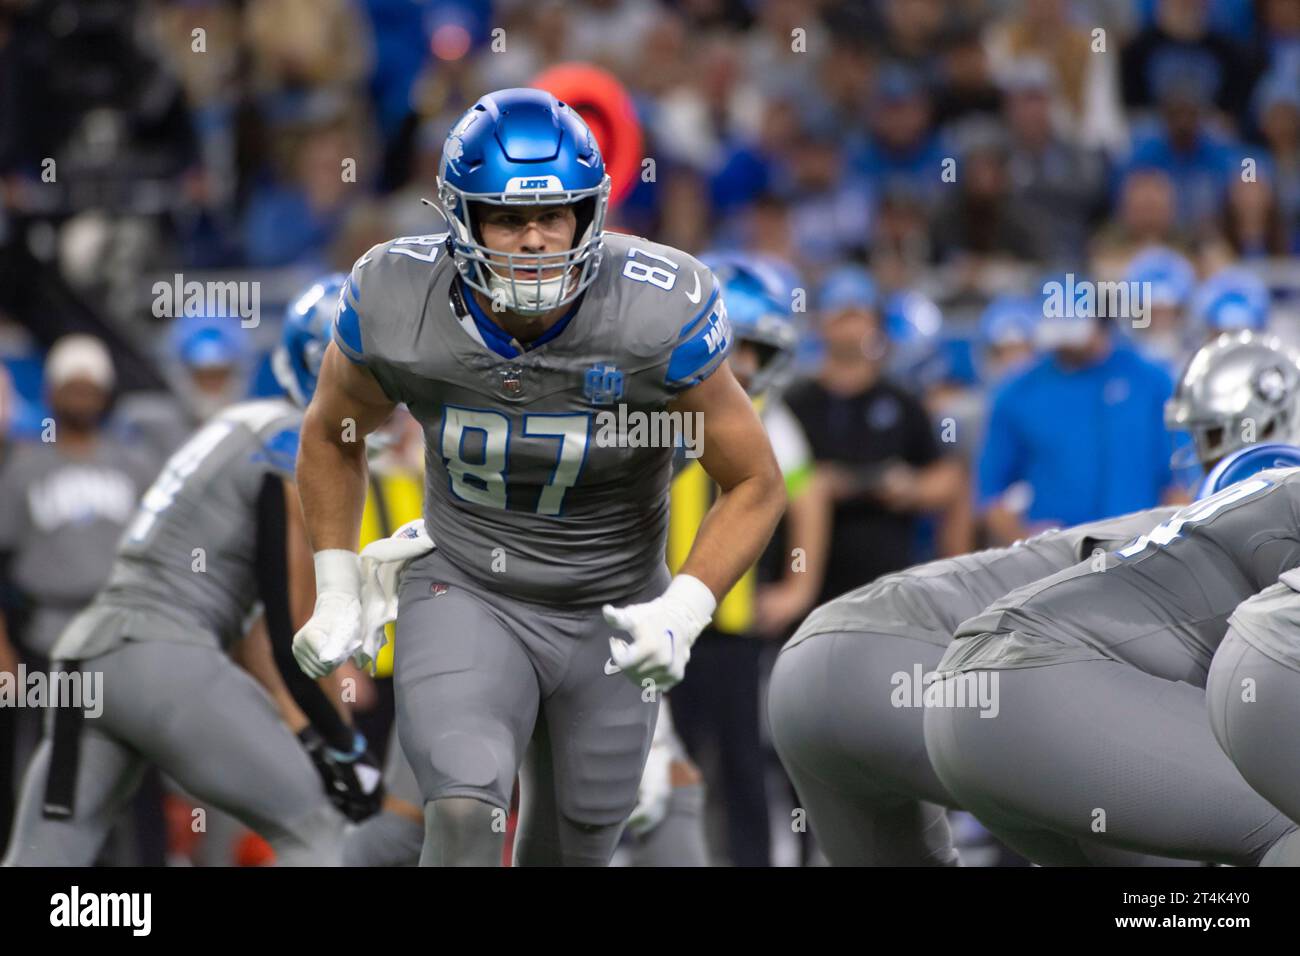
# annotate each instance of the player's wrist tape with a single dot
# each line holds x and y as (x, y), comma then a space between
(694, 595)
(337, 569)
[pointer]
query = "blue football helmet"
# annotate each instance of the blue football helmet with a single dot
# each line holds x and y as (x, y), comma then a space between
(913, 325)
(1240, 465)
(1171, 275)
(305, 335)
(1009, 320)
(203, 341)
(524, 147)
(757, 298)
(1234, 298)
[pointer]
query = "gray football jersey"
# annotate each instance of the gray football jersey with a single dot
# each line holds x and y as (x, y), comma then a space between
(186, 565)
(928, 602)
(542, 478)
(60, 517)
(1161, 603)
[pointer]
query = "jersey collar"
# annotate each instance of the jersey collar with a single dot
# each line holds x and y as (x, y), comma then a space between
(491, 336)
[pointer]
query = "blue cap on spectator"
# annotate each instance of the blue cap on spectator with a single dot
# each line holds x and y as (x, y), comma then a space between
(1009, 320)
(848, 287)
(1171, 275)
(206, 342)
(1234, 298)
(1276, 89)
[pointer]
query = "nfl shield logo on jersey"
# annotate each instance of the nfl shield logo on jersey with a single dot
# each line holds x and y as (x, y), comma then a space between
(603, 385)
(512, 379)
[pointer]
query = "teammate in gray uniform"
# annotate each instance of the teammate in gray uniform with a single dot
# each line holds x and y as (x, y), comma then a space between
(1253, 688)
(507, 338)
(1099, 674)
(190, 567)
(845, 695)
(857, 756)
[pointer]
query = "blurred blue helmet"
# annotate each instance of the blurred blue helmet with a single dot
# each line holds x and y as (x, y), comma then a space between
(756, 294)
(848, 287)
(203, 341)
(308, 323)
(913, 324)
(1171, 275)
(524, 147)
(1240, 465)
(1009, 320)
(1234, 298)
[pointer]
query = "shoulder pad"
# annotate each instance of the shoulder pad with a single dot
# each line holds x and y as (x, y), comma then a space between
(390, 276)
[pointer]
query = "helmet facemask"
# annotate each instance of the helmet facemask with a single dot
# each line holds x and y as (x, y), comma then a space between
(500, 275)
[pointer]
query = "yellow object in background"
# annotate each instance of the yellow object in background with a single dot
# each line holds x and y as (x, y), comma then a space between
(391, 501)
(692, 495)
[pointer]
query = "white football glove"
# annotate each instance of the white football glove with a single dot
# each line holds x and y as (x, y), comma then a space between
(334, 631)
(662, 632)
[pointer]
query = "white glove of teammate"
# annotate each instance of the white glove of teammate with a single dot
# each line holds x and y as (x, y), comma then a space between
(327, 640)
(662, 631)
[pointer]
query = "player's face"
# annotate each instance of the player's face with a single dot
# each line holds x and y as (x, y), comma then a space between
(532, 230)
(79, 403)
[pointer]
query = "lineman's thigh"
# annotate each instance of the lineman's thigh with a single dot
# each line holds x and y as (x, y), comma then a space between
(109, 772)
(845, 725)
(1254, 704)
(215, 731)
(1100, 751)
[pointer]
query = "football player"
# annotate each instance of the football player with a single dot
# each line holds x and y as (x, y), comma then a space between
(1253, 688)
(538, 353)
(846, 699)
(219, 530)
(1098, 674)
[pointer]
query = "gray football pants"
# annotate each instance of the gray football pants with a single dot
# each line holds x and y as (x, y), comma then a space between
(485, 684)
(847, 729)
(1254, 704)
(1099, 750)
(857, 762)
(208, 725)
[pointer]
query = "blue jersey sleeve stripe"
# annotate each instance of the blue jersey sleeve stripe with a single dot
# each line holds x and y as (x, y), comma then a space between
(699, 356)
(695, 324)
(347, 327)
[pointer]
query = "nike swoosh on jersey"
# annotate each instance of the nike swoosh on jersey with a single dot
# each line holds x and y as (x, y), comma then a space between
(695, 297)
(612, 668)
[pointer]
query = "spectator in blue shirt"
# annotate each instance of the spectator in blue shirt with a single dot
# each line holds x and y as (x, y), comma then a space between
(1200, 161)
(903, 152)
(1079, 434)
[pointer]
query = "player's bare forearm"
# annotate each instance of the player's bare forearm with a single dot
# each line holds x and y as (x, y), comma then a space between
(332, 475)
(253, 654)
(737, 455)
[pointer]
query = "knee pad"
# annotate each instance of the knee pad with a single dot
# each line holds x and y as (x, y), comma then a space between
(460, 761)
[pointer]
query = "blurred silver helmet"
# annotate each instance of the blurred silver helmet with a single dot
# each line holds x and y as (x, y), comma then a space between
(1240, 389)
